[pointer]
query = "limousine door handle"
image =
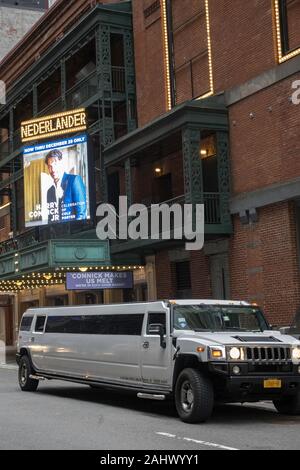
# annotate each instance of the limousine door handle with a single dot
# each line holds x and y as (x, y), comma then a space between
(146, 345)
(32, 339)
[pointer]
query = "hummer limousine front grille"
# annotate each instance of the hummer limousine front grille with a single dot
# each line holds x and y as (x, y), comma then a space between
(268, 354)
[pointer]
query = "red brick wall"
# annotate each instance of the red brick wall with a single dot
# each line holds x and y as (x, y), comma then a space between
(243, 40)
(265, 148)
(166, 276)
(149, 63)
(190, 48)
(264, 263)
(200, 274)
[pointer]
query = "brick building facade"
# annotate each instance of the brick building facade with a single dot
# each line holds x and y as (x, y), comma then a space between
(251, 57)
(197, 109)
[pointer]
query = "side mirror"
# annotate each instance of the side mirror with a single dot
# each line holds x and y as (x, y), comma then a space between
(158, 330)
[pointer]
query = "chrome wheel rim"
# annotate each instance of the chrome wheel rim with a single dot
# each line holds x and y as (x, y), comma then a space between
(23, 374)
(187, 396)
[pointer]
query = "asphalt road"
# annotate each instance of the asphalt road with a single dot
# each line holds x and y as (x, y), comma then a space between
(67, 416)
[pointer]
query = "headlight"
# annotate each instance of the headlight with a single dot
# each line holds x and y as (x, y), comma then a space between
(235, 354)
(296, 354)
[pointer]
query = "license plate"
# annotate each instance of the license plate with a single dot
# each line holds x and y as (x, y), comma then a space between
(274, 383)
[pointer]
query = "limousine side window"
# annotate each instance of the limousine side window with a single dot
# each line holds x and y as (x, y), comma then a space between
(39, 324)
(26, 323)
(130, 325)
(156, 319)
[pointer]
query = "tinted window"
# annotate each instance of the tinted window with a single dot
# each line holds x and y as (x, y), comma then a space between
(156, 319)
(71, 324)
(26, 323)
(39, 324)
(125, 325)
(130, 325)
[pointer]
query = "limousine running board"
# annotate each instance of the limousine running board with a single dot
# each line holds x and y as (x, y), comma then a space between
(150, 396)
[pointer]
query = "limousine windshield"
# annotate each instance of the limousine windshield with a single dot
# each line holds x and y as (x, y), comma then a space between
(219, 318)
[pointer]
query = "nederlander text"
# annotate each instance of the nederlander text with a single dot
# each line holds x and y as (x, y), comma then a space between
(58, 124)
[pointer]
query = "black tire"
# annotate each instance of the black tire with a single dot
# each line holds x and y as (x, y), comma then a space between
(25, 370)
(194, 397)
(288, 405)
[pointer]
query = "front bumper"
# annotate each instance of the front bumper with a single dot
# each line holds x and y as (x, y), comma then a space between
(250, 386)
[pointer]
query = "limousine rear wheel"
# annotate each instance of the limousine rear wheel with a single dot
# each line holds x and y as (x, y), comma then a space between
(194, 396)
(25, 370)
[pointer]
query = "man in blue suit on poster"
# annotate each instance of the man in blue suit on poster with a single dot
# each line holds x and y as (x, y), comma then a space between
(66, 199)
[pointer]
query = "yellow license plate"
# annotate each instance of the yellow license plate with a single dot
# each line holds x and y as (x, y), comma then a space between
(274, 383)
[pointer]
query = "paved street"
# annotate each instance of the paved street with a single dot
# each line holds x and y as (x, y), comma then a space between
(68, 416)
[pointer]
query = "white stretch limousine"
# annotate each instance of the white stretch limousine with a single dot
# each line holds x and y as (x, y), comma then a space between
(196, 351)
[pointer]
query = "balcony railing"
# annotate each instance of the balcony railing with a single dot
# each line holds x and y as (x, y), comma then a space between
(52, 108)
(82, 91)
(212, 208)
(118, 79)
(42, 234)
(4, 149)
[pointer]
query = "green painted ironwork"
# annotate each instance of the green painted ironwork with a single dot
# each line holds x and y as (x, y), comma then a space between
(192, 165)
(54, 254)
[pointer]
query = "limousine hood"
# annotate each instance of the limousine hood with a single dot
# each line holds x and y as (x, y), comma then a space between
(236, 338)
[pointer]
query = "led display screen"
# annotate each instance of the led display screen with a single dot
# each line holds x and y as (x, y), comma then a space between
(56, 182)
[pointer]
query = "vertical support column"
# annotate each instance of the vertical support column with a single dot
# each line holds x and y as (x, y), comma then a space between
(192, 166)
(63, 78)
(42, 297)
(13, 209)
(72, 298)
(151, 278)
(11, 130)
(103, 176)
(113, 296)
(35, 100)
(130, 80)
(128, 182)
(103, 63)
(224, 176)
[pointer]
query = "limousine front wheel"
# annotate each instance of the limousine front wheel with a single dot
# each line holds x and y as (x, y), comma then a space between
(194, 396)
(26, 383)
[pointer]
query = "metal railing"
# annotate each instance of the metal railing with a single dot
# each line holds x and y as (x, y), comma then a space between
(4, 149)
(118, 77)
(82, 91)
(212, 208)
(52, 108)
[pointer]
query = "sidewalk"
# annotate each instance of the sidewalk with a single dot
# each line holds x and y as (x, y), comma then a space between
(8, 358)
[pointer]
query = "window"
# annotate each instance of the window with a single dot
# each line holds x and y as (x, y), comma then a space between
(26, 323)
(130, 325)
(288, 24)
(183, 279)
(157, 319)
(39, 324)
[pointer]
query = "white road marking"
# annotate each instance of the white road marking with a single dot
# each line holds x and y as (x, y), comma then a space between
(195, 441)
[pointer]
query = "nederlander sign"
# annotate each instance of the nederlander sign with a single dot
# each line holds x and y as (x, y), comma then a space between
(55, 125)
